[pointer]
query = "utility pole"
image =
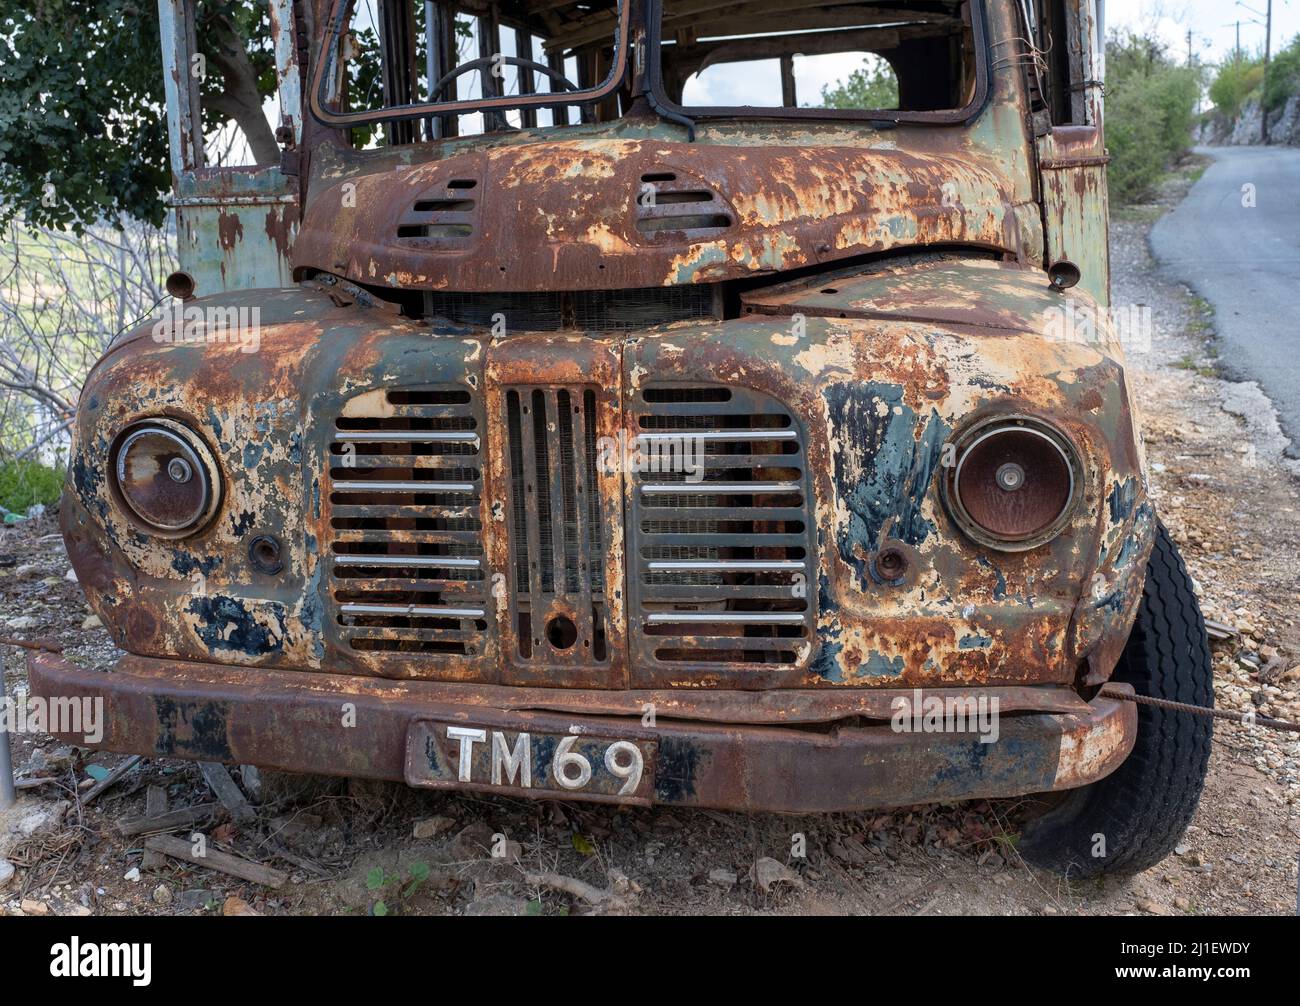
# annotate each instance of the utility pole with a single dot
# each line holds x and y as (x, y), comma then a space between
(1268, 52)
(1267, 15)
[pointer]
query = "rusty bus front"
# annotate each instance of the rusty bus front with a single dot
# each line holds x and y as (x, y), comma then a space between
(570, 405)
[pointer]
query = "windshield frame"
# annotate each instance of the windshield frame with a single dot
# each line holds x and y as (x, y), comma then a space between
(957, 116)
(328, 63)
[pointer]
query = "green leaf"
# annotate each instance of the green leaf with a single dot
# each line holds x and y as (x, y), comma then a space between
(534, 908)
(380, 909)
(375, 879)
(418, 872)
(582, 845)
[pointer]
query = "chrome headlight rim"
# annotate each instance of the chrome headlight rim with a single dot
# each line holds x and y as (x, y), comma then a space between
(195, 453)
(981, 432)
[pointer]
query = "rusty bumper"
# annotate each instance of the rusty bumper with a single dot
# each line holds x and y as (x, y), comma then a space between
(347, 726)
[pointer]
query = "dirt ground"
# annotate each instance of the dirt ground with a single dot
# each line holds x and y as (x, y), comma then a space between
(1221, 485)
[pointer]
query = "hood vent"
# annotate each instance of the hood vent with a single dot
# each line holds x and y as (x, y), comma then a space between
(669, 204)
(445, 216)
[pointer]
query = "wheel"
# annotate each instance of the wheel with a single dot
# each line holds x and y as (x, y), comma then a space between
(1133, 818)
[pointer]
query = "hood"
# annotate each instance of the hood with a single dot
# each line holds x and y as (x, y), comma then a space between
(617, 214)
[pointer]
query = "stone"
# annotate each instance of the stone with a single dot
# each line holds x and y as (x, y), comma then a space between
(722, 877)
(766, 873)
(431, 826)
(162, 895)
(91, 622)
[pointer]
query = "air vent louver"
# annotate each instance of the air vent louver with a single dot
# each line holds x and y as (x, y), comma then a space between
(668, 204)
(406, 562)
(720, 530)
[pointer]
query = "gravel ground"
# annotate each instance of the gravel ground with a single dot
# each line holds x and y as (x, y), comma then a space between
(356, 848)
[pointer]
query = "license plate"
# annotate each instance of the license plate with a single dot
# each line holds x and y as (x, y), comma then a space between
(577, 764)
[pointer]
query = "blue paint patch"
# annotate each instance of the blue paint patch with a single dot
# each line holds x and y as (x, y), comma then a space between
(87, 479)
(828, 666)
(882, 468)
(243, 523)
(187, 563)
(226, 624)
(252, 454)
(880, 666)
(1000, 587)
(1121, 500)
(974, 642)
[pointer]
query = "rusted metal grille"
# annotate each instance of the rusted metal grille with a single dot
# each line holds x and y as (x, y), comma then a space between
(556, 541)
(406, 557)
(720, 529)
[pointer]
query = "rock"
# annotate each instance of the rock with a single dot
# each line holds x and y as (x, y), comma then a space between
(473, 842)
(1151, 907)
(497, 904)
(238, 906)
(1182, 904)
(722, 877)
(195, 899)
(79, 912)
(132, 874)
(849, 850)
(6, 872)
(22, 622)
(162, 895)
(71, 575)
(91, 622)
(27, 569)
(31, 907)
(766, 873)
(431, 826)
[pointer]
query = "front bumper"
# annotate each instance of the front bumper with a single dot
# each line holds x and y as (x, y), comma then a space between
(769, 752)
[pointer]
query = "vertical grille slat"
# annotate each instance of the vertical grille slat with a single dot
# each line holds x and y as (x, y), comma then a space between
(557, 599)
(406, 560)
(720, 534)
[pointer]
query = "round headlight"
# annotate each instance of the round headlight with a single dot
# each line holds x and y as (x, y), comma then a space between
(1015, 483)
(164, 475)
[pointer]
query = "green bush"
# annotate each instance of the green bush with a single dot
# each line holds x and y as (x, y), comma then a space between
(1236, 81)
(1283, 76)
(26, 483)
(1150, 112)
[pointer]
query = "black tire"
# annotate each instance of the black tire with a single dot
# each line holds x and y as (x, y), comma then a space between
(1144, 806)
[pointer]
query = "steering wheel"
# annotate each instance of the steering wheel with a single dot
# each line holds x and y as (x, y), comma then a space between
(484, 62)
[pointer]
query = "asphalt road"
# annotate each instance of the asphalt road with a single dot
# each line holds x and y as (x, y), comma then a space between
(1245, 260)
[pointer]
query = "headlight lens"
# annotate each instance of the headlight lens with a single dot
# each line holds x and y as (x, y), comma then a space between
(1015, 483)
(164, 475)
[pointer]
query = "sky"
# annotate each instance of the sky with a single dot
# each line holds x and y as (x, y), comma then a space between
(1212, 23)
